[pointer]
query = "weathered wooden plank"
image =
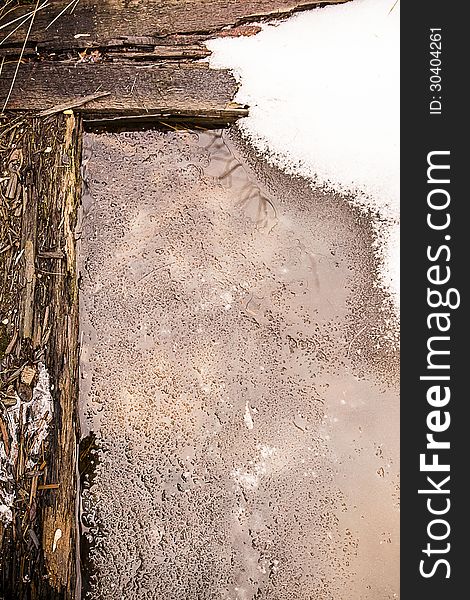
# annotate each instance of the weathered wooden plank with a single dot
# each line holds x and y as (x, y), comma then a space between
(39, 313)
(97, 22)
(186, 91)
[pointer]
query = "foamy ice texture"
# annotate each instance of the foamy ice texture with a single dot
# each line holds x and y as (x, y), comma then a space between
(40, 416)
(323, 90)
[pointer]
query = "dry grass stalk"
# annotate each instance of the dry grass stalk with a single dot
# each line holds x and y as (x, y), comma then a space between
(21, 56)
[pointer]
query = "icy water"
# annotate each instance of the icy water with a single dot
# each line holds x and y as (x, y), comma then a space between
(236, 373)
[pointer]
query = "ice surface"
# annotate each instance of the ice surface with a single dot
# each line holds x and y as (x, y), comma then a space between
(236, 373)
(323, 89)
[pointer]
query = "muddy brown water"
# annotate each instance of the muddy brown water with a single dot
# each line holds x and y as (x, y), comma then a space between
(237, 374)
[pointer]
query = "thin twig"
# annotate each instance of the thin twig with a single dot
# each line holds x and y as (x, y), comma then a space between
(72, 104)
(4, 432)
(133, 85)
(48, 486)
(155, 270)
(74, 7)
(353, 339)
(5, 6)
(396, 2)
(4, 11)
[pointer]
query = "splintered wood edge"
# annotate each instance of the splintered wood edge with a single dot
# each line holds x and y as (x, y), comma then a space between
(47, 220)
(107, 91)
(60, 555)
(98, 24)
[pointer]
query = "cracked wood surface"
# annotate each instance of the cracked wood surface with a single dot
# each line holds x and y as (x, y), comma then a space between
(189, 91)
(143, 52)
(39, 197)
(99, 22)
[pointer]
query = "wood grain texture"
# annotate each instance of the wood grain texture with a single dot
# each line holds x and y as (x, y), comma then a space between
(187, 91)
(107, 19)
(39, 297)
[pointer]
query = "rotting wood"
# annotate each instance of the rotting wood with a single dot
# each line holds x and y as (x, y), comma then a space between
(144, 52)
(97, 22)
(174, 48)
(38, 275)
(188, 92)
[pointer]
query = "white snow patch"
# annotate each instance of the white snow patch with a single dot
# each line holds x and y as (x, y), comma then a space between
(40, 416)
(249, 480)
(247, 418)
(323, 90)
(6, 516)
(57, 536)
(41, 407)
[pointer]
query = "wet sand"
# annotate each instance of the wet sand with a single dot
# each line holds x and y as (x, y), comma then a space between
(236, 370)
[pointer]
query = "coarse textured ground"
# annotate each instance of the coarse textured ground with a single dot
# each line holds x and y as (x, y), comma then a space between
(236, 372)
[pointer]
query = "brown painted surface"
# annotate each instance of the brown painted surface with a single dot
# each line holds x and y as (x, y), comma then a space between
(236, 372)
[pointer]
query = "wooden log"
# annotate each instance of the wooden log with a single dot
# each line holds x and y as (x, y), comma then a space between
(188, 91)
(38, 276)
(97, 22)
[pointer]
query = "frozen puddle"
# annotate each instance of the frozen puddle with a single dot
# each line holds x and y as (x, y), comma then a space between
(324, 92)
(236, 373)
